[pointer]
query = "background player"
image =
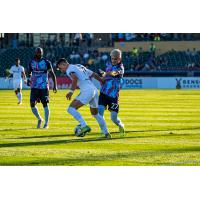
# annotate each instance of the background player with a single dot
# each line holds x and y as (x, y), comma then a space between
(80, 77)
(18, 72)
(109, 93)
(39, 68)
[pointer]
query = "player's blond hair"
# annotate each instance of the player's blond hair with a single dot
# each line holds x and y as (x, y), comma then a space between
(116, 53)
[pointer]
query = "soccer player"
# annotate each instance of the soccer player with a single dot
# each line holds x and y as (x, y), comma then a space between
(80, 77)
(18, 72)
(109, 93)
(38, 70)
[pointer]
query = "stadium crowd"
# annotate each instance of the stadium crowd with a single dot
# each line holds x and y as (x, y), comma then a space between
(83, 48)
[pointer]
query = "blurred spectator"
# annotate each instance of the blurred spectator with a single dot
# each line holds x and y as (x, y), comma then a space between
(54, 42)
(194, 52)
(42, 42)
(77, 39)
(157, 37)
(130, 36)
(72, 56)
(121, 37)
(14, 42)
(146, 67)
(188, 52)
(134, 52)
(112, 39)
(152, 49)
(77, 57)
(89, 38)
(104, 57)
(90, 61)
(48, 42)
(86, 57)
(140, 50)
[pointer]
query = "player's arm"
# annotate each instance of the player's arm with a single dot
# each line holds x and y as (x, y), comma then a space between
(53, 76)
(97, 77)
(113, 73)
(73, 87)
(120, 71)
(24, 77)
(29, 74)
(9, 72)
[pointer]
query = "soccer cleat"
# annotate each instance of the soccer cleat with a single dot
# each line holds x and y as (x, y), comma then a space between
(122, 130)
(39, 123)
(108, 136)
(19, 103)
(46, 126)
(105, 136)
(84, 130)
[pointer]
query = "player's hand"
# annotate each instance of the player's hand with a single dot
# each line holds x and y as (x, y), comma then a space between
(29, 82)
(55, 89)
(113, 73)
(103, 74)
(69, 95)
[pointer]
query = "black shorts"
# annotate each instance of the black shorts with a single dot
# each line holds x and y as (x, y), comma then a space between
(112, 103)
(39, 95)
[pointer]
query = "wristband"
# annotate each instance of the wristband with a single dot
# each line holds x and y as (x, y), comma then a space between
(71, 91)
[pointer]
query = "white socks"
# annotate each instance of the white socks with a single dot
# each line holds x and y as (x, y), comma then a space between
(19, 96)
(101, 123)
(72, 111)
(115, 119)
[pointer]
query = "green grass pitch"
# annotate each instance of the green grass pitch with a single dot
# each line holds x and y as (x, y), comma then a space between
(162, 128)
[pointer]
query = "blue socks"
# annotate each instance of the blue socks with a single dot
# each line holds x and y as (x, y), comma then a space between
(36, 113)
(46, 114)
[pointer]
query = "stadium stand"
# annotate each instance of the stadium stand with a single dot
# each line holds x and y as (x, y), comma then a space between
(145, 61)
(140, 61)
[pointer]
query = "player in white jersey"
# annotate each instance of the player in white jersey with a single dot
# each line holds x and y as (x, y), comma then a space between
(18, 72)
(80, 77)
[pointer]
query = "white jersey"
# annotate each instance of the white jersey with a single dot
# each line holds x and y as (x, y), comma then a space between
(17, 72)
(83, 75)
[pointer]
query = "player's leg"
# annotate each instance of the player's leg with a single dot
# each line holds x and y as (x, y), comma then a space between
(16, 93)
(44, 96)
(102, 104)
(19, 95)
(73, 110)
(16, 86)
(101, 122)
(82, 99)
(33, 100)
(114, 117)
(100, 119)
(113, 107)
(46, 114)
(19, 89)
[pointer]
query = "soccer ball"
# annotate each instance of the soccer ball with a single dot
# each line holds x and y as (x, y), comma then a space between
(77, 131)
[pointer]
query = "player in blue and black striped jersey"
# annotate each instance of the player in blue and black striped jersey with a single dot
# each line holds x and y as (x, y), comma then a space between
(39, 69)
(109, 93)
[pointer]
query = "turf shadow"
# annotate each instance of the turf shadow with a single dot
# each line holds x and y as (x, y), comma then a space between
(55, 142)
(16, 129)
(143, 131)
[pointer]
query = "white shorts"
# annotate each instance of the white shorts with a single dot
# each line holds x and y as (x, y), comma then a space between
(89, 96)
(17, 84)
